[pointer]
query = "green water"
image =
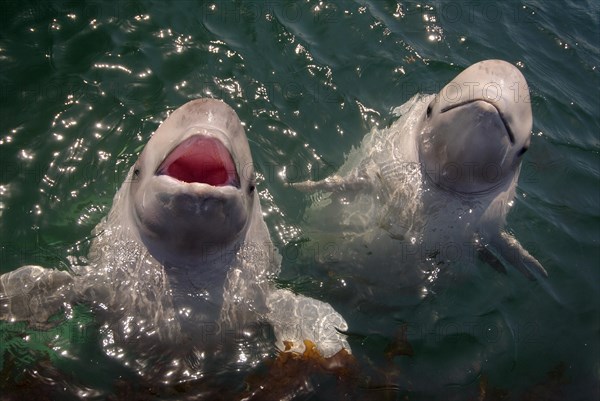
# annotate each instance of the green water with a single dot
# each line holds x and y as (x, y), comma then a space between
(84, 84)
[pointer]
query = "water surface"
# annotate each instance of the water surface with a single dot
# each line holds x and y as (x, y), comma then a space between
(84, 84)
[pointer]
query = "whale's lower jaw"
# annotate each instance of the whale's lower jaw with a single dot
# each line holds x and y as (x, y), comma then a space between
(503, 186)
(201, 159)
(191, 232)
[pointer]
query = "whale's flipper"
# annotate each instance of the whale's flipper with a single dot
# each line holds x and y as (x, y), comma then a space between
(488, 256)
(509, 248)
(34, 294)
(334, 183)
(296, 318)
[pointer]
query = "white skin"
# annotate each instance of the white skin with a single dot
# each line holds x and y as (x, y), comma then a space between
(443, 174)
(181, 265)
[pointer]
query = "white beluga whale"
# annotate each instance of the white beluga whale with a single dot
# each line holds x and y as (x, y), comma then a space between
(184, 260)
(436, 185)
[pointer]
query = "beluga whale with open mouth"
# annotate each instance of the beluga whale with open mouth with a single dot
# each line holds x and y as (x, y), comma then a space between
(184, 261)
(436, 185)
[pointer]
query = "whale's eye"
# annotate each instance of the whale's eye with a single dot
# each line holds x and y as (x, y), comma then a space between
(429, 109)
(522, 151)
(136, 173)
(251, 188)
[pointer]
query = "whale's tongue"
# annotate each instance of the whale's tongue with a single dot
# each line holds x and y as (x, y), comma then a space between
(200, 159)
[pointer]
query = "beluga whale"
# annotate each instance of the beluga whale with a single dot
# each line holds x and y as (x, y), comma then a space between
(435, 186)
(182, 267)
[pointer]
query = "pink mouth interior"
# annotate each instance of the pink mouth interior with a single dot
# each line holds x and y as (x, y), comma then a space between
(200, 159)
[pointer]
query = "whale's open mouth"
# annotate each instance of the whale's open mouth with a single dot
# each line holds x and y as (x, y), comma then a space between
(201, 159)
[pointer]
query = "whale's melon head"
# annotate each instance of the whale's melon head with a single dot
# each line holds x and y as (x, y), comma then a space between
(477, 128)
(193, 187)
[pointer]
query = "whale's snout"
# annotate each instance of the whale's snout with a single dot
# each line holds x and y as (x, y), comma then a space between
(487, 113)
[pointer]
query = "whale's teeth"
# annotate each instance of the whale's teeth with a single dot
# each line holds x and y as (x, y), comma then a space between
(201, 159)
